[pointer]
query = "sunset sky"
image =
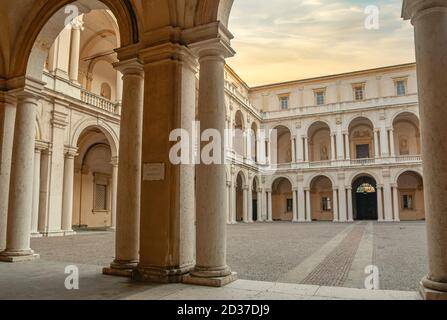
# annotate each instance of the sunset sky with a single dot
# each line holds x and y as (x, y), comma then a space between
(280, 40)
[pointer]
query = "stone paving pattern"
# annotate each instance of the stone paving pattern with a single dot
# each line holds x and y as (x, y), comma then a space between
(334, 269)
(265, 252)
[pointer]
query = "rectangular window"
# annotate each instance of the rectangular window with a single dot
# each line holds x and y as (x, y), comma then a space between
(289, 205)
(408, 202)
(359, 93)
(100, 197)
(401, 88)
(362, 151)
(327, 205)
(284, 101)
(320, 98)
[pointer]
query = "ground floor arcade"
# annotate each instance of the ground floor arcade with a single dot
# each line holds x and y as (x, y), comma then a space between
(384, 194)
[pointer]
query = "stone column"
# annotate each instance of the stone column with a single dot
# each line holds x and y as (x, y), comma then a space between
(301, 198)
(347, 146)
(21, 187)
(293, 141)
(264, 205)
(114, 163)
(128, 192)
(392, 146)
(36, 193)
(76, 27)
(270, 206)
(308, 206)
(269, 152)
(429, 18)
(67, 197)
(384, 140)
(340, 143)
(299, 147)
(7, 120)
(229, 220)
(388, 203)
(333, 151)
(342, 202)
(335, 204)
(295, 207)
(306, 149)
(211, 263)
(249, 204)
(380, 202)
(234, 202)
(259, 203)
(350, 210)
(376, 144)
(396, 206)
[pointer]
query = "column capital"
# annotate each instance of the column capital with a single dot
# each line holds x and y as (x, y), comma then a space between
(168, 52)
(77, 23)
(40, 146)
(413, 9)
(210, 40)
(71, 152)
(130, 67)
(114, 161)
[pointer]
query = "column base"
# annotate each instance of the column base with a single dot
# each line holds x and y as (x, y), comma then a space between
(69, 233)
(15, 256)
(36, 235)
(53, 234)
(216, 282)
(120, 269)
(160, 275)
(431, 290)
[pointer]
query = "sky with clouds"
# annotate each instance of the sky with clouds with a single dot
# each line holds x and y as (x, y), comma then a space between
(281, 40)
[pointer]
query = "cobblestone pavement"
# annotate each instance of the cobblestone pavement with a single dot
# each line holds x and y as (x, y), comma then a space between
(334, 269)
(265, 252)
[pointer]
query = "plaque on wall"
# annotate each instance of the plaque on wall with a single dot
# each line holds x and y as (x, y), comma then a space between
(153, 172)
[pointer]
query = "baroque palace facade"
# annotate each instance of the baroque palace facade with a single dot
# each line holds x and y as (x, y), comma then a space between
(348, 146)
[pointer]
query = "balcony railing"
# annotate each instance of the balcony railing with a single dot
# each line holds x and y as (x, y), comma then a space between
(98, 102)
(320, 164)
(362, 162)
(410, 158)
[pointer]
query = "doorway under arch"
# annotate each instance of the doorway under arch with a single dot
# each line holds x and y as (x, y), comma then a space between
(364, 198)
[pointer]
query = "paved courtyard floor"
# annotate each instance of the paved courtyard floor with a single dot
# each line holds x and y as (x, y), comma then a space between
(281, 260)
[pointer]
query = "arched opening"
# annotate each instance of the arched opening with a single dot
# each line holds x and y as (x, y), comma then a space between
(240, 201)
(320, 147)
(321, 198)
(361, 137)
(239, 140)
(93, 181)
(364, 189)
(411, 196)
(282, 200)
(407, 135)
(284, 145)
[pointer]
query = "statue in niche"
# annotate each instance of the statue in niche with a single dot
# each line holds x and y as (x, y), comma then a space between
(106, 91)
(404, 148)
(324, 154)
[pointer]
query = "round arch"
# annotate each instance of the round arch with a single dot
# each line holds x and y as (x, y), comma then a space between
(105, 128)
(356, 117)
(354, 176)
(364, 197)
(401, 113)
(49, 20)
(311, 179)
(282, 199)
(313, 123)
(405, 170)
(410, 193)
(322, 203)
(275, 178)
